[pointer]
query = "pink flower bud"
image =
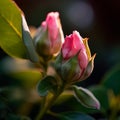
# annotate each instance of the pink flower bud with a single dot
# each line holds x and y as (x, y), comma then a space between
(49, 38)
(75, 62)
(72, 45)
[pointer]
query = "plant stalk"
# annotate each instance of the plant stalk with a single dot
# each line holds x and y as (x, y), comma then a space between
(48, 104)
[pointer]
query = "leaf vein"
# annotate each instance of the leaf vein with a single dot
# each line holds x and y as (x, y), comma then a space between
(12, 26)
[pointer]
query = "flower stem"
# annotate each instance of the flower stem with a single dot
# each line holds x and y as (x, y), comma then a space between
(47, 103)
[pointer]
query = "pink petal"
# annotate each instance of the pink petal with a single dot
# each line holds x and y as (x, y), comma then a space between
(71, 45)
(83, 59)
(52, 22)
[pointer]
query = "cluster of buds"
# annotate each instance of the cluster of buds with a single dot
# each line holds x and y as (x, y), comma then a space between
(74, 62)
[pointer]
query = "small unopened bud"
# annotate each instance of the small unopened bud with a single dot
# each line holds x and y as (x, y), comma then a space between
(49, 37)
(86, 98)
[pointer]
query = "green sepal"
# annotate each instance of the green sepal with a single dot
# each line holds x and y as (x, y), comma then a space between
(86, 98)
(70, 70)
(32, 54)
(47, 84)
(58, 63)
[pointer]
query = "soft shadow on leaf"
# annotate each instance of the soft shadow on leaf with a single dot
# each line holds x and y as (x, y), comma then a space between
(11, 30)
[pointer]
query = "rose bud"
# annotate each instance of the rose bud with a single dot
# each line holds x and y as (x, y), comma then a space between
(74, 62)
(49, 37)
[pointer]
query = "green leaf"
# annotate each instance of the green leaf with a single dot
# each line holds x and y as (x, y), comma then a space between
(86, 98)
(112, 79)
(28, 41)
(11, 29)
(47, 84)
(74, 116)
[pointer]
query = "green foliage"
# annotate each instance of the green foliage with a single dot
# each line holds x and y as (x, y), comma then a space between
(11, 29)
(47, 84)
(112, 80)
(99, 92)
(75, 116)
